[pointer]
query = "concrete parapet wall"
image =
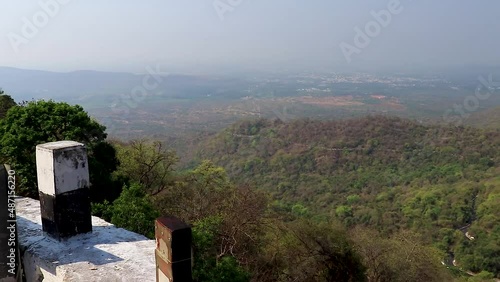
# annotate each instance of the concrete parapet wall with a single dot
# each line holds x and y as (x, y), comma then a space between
(107, 254)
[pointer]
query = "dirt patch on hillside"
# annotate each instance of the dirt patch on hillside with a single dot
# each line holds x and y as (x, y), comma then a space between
(393, 104)
(332, 101)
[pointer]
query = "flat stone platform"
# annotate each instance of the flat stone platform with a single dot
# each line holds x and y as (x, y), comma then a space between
(107, 254)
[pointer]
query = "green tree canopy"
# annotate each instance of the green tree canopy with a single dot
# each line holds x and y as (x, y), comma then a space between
(134, 211)
(147, 163)
(6, 102)
(310, 251)
(38, 122)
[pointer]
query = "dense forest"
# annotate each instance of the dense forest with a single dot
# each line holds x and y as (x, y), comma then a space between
(369, 199)
(384, 173)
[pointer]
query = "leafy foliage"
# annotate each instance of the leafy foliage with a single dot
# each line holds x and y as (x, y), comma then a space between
(403, 257)
(380, 172)
(225, 219)
(133, 211)
(6, 102)
(39, 122)
(230, 217)
(209, 266)
(147, 163)
(301, 251)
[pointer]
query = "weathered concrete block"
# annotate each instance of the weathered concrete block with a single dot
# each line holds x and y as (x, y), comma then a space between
(63, 183)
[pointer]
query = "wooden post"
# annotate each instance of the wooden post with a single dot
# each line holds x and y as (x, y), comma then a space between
(63, 184)
(173, 250)
(9, 249)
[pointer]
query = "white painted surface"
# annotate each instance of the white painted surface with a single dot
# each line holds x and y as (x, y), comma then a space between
(162, 277)
(163, 250)
(60, 145)
(106, 254)
(45, 171)
(61, 167)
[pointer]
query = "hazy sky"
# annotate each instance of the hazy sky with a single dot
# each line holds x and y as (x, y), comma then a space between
(128, 35)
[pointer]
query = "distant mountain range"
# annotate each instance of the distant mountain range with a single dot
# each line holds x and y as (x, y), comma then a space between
(34, 84)
(24, 84)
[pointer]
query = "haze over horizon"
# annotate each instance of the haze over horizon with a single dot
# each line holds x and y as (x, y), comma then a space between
(127, 36)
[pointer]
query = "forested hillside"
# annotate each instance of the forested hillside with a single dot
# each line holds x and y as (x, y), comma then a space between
(489, 118)
(371, 199)
(389, 174)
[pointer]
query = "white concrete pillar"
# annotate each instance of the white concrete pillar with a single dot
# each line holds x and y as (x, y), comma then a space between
(64, 188)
